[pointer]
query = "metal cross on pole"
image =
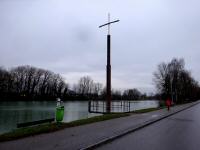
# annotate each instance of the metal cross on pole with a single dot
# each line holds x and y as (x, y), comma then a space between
(108, 67)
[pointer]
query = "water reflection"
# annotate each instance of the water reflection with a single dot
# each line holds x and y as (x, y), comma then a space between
(137, 105)
(12, 113)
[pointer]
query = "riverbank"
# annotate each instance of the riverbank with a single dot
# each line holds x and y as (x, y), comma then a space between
(52, 127)
(13, 113)
(94, 134)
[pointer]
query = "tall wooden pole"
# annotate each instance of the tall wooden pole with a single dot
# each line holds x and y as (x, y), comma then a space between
(108, 76)
(108, 67)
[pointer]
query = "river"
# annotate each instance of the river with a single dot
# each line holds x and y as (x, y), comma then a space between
(12, 113)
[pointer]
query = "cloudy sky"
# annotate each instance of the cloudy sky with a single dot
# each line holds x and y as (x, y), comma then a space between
(63, 36)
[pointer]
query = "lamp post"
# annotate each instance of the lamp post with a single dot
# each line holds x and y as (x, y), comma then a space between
(108, 67)
(171, 82)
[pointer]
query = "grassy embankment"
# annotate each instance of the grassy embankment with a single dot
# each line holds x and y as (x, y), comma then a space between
(50, 127)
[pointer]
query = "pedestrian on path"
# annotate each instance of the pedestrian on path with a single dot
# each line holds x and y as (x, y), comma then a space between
(168, 103)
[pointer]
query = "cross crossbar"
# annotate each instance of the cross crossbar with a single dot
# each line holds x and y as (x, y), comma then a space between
(108, 23)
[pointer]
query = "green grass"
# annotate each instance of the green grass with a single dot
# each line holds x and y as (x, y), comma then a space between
(51, 127)
(147, 110)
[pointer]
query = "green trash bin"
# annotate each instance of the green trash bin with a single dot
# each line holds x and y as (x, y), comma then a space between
(59, 113)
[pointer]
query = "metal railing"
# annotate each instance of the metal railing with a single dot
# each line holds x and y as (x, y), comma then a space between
(95, 106)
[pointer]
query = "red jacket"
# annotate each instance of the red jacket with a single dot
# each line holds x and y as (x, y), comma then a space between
(168, 102)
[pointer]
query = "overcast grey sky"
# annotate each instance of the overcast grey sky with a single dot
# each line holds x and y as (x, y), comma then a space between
(63, 36)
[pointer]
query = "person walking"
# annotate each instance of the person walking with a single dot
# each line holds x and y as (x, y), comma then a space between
(168, 103)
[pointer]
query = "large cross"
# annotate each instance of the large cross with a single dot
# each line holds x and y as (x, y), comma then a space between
(108, 67)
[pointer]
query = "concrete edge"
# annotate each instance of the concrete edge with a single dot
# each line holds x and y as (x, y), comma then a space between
(138, 127)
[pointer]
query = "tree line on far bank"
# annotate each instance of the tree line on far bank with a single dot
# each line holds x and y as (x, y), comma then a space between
(174, 81)
(31, 83)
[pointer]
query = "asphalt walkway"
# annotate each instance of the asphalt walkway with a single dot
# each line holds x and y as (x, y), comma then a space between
(91, 135)
(177, 132)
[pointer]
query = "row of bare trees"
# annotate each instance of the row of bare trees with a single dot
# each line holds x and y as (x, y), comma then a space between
(174, 81)
(132, 94)
(26, 82)
(87, 87)
(31, 83)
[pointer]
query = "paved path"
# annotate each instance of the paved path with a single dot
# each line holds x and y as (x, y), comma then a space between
(178, 132)
(87, 135)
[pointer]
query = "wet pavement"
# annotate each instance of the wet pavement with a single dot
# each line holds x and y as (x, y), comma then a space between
(178, 132)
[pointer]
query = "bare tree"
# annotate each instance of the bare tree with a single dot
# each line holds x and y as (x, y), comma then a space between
(30, 82)
(132, 94)
(5, 83)
(85, 85)
(172, 79)
(97, 88)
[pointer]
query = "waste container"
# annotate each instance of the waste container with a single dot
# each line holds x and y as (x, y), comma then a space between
(59, 111)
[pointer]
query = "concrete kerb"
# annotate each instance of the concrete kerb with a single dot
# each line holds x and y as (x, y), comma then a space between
(140, 126)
